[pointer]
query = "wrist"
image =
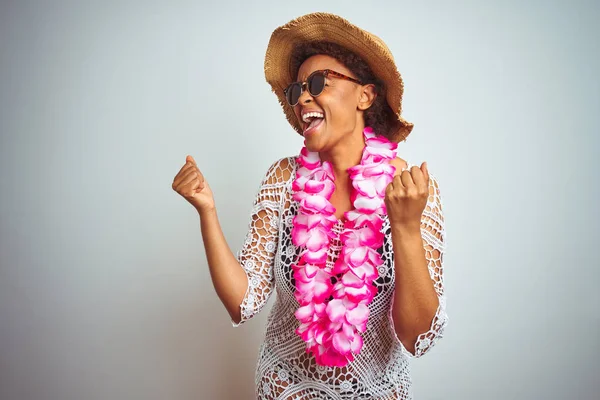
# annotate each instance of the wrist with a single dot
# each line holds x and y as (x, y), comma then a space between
(407, 229)
(207, 212)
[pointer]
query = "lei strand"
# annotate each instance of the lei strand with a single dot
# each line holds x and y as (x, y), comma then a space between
(334, 301)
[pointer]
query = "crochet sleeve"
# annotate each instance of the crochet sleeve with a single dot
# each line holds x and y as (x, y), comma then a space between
(434, 240)
(257, 255)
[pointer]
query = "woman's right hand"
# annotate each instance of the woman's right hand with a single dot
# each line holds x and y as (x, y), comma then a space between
(190, 184)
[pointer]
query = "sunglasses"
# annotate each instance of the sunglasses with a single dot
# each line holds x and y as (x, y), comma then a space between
(315, 83)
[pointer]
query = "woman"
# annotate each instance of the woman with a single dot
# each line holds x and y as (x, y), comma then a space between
(350, 235)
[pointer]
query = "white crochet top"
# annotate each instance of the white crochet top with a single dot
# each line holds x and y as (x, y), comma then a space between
(284, 369)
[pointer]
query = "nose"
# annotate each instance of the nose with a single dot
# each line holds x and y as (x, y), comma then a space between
(305, 96)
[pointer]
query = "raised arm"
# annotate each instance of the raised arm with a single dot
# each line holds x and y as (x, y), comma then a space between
(257, 256)
(418, 311)
(228, 277)
(242, 283)
(434, 239)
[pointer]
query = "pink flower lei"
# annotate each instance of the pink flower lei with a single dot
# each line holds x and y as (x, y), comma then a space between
(334, 301)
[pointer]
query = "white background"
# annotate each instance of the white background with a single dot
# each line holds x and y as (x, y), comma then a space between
(104, 288)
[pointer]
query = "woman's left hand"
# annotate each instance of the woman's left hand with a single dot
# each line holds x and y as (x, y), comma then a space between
(406, 197)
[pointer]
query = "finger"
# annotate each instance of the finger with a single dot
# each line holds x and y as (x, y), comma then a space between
(195, 170)
(406, 178)
(190, 189)
(389, 188)
(197, 174)
(183, 173)
(418, 178)
(192, 186)
(192, 176)
(196, 186)
(190, 159)
(185, 166)
(183, 181)
(398, 181)
(426, 177)
(200, 174)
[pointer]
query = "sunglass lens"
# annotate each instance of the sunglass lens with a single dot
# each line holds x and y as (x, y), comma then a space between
(293, 93)
(316, 84)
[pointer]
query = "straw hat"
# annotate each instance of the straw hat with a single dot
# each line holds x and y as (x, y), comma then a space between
(332, 28)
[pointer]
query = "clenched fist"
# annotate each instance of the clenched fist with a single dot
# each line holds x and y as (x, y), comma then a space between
(406, 196)
(190, 183)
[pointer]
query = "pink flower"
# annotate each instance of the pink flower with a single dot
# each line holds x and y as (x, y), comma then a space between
(362, 237)
(347, 318)
(312, 284)
(344, 311)
(317, 204)
(331, 329)
(357, 219)
(312, 185)
(347, 341)
(370, 170)
(377, 155)
(373, 186)
(315, 257)
(306, 312)
(354, 289)
(340, 266)
(368, 205)
(362, 261)
(312, 328)
(378, 149)
(314, 240)
(309, 159)
(374, 142)
(313, 231)
(310, 221)
(328, 356)
(311, 312)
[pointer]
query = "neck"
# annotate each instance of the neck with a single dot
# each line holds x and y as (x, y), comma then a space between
(346, 154)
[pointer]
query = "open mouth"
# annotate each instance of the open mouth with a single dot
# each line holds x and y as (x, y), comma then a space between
(312, 121)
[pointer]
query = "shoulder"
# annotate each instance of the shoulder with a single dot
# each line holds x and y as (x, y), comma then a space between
(400, 164)
(281, 170)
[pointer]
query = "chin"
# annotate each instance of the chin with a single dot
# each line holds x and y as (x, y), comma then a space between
(316, 141)
(312, 146)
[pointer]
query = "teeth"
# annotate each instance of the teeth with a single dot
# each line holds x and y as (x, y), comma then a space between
(306, 116)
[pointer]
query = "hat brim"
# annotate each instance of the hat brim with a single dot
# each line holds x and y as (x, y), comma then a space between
(332, 28)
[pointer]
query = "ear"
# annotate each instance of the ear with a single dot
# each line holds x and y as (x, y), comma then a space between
(367, 97)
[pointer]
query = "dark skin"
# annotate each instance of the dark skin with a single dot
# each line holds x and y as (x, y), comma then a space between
(339, 140)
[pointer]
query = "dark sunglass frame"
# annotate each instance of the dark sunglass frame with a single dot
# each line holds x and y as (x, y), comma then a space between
(325, 73)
